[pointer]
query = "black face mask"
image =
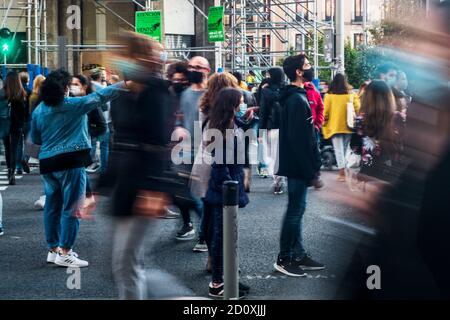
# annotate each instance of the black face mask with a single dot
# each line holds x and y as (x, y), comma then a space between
(179, 87)
(195, 77)
(308, 75)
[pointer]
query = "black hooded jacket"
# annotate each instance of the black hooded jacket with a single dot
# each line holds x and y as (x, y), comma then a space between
(298, 155)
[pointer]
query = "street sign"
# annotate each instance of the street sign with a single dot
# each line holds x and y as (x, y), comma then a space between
(328, 45)
(215, 24)
(149, 23)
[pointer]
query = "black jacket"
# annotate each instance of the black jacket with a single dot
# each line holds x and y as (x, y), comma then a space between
(269, 113)
(96, 122)
(139, 156)
(299, 157)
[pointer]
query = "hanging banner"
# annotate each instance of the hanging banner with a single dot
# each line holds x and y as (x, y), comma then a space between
(149, 23)
(215, 24)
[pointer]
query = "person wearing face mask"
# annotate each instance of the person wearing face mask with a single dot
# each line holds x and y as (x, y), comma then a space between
(387, 72)
(177, 75)
(317, 107)
(402, 99)
(97, 125)
(59, 126)
(299, 161)
(198, 72)
(246, 119)
(98, 77)
(228, 103)
(335, 126)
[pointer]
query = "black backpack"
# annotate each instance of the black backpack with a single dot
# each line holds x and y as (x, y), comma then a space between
(97, 123)
(275, 111)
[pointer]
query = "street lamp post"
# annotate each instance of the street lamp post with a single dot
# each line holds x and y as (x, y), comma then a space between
(340, 36)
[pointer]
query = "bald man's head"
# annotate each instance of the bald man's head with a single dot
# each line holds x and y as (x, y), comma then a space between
(200, 64)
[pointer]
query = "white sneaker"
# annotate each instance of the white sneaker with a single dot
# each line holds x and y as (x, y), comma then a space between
(40, 203)
(51, 256)
(171, 214)
(93, 168)
(70, 260)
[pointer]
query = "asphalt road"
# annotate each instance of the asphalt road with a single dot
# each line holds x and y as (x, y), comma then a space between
(332, 228)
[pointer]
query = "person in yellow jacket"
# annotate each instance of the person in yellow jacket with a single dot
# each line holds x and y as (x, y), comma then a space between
(335, 127)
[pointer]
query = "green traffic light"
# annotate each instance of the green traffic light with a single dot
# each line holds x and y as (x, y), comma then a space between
(5, 47)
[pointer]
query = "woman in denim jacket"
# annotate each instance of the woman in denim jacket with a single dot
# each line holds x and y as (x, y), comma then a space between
(59, 126)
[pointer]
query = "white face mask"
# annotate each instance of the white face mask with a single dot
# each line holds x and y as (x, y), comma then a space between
(75, 91)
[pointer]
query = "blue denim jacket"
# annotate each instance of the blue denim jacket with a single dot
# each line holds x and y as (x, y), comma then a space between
(63, 129)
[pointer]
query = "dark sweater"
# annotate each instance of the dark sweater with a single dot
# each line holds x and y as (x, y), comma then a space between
(139, 155)
(299, 157)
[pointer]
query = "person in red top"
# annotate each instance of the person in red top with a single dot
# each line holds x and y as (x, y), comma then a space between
(317, 107)
(316, 103)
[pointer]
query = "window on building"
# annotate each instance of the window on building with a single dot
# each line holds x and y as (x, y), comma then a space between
(303, 10)
(250, 44)
(299, 42)
(265, 43)
(358, 39)
(330, 7)
(358, 11)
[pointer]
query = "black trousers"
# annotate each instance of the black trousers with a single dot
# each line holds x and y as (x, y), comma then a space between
(11, 143)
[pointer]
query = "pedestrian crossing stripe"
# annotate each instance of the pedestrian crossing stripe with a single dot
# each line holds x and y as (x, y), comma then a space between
(6, 177)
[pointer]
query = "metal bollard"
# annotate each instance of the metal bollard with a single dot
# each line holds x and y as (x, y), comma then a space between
(230, 240)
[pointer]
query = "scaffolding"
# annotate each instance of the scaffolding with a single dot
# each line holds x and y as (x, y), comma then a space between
(255, 26)
(258, 33)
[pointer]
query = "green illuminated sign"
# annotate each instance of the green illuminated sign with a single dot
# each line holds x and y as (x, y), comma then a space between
(149, 23)
(215, 24)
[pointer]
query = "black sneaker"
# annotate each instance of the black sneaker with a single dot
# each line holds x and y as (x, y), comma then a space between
(218, 292)
(309, 264)
(25, 166)
(187, 232)
(278, 189)
(2, 232)
(289, 268)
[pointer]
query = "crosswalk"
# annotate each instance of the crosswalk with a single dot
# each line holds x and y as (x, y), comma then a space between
(4, 183)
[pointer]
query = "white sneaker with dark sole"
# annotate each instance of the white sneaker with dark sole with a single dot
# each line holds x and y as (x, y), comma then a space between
(70, 260)
(200, 247)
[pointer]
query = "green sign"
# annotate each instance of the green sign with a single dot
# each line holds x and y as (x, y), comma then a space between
(215, 24)
(149, 23)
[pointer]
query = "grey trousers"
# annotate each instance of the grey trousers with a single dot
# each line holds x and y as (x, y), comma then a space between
(132, 281)
(127, 258)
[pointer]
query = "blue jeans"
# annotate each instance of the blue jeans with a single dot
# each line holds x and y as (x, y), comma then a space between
(198, 208)
(291, 242)
(64, 191)
(104, 149)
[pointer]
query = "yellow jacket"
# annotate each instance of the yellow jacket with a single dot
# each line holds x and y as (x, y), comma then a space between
(335, 113)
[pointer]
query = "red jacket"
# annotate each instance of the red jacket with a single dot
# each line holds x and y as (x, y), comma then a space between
(316, 103)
